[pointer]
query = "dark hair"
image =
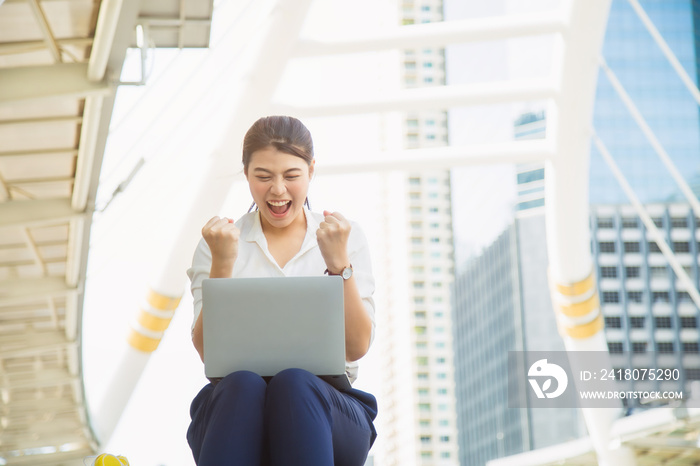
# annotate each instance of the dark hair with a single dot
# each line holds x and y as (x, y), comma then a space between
(284, 133)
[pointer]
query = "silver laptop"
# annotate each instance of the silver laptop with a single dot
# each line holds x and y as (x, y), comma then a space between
(266, 325)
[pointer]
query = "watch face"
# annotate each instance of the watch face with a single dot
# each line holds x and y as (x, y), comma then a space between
(347, 273)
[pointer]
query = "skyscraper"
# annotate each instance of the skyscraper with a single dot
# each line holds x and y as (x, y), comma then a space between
(420, 427)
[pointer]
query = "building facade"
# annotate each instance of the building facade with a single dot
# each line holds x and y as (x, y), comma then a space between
(419, 426)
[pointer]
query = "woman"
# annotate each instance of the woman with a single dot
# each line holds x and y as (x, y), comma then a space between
(295, 418)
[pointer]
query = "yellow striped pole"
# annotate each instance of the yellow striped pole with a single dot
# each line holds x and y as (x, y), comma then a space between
(152, 321)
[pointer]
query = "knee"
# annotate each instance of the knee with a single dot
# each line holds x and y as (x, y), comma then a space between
(239, 383)
(292, 383)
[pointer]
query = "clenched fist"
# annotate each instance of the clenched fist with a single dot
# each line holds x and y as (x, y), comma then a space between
(222, 235)
(332, 236)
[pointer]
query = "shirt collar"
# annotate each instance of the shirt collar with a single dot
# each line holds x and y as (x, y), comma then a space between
(256, 234)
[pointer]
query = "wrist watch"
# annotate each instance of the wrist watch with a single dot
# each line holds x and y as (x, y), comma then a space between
(346, 273)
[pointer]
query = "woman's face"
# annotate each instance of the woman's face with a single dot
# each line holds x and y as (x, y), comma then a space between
(279, 183)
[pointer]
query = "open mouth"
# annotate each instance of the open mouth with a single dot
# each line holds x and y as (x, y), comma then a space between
(279, 208)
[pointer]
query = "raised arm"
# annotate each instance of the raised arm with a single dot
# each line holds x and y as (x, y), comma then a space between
(221, 235)
(332, 236)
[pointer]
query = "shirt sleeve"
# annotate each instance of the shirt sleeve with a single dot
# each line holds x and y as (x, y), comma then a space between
(358, 250)
(201, 265)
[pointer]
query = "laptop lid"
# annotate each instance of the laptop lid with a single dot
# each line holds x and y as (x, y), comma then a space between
(269, 324)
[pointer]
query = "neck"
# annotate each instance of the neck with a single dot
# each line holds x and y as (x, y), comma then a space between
(297, 224)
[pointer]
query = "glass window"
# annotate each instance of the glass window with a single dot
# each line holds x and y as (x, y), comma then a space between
(629, 222)
(425, 439)
(664, 347)
(639, 346)
(681, 246)
(615, 347)
(632, 272)
(420, 314)
(662, 322)
(659, 297)
(689, 322)
(683, 297)
(424, 406)
(658, 272)
(653, 247)
(418, 285)
(444, 438)
(658, 221)
(445, 454)
(605, 222)
(608, 272)
(634, 296)
(690, 347)
(611, 297)
(631, 246)
(414, 181)
(679, 222)
(692, 374)
(530, 176)
(613, 322)
(606, 246)
(637, 322)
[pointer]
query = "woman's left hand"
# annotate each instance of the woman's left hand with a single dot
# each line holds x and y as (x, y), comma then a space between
(332, 236)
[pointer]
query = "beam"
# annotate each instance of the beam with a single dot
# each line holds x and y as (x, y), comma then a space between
(436, 34)
(442, 158)
(44, 378)
(9, 48)
(22, 290)
(32, 343)
(68, 152)
(428, 98)
(34, 121)
(40, 17)
(41, 82)
(36, 212)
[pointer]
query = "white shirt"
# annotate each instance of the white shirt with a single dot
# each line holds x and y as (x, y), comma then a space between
(254, 260)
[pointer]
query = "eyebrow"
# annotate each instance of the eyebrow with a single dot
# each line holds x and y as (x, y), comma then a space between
(260, 169)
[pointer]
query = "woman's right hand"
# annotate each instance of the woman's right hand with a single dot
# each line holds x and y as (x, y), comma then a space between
(222, 235)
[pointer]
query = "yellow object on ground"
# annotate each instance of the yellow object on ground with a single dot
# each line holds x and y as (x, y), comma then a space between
(106, 459)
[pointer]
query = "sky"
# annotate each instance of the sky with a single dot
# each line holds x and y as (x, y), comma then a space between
(131, 239)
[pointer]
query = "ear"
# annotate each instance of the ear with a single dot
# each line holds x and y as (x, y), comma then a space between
(312, 166)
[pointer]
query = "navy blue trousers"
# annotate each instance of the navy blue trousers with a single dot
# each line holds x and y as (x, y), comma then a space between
(296, 419)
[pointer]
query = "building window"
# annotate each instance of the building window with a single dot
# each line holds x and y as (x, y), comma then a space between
(608, 272)
(689, 322)
(424, 423)
(679, 222)
(681, 246)
(434, 239)
(424, 406)
(634, 297)
(639, 347)
(683, 297)
(425, 439)
(418, 285)
(442, 391)
(662, 322)
(433, 210)
(658, 272)
(443, 423)
(606, 247)
(692, 373)
(416, 240)
(420, 330)
(444, 438)
(690, 347)
(629, 222)
(611, 297)
(615, 347)
(664, 347)
(409, 65)
(658, 221)
(416, 225)
(632, 272)
(441, 375)
(422, 376)
(421, 345)
(422, 392)
(419, 299)
(631, 246)
(419, 315)
(426, 454)
(445, 454)
(637, 321)
(613, 322)
(653, 247)
(530, 176)
(413, 181)
(605, 222)
(659, 297)
(440, 360)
